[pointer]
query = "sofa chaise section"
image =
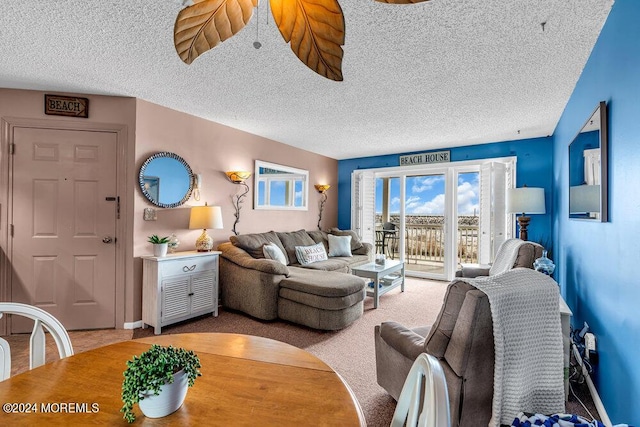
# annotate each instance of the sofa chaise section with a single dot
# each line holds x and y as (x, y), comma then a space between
(325, 300)
(321, 295)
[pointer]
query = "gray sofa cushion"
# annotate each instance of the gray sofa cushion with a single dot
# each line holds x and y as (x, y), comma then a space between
(292, 239)
(319, 236)
(331, 264)
(327, 284)
(252, 243)
(242, 258)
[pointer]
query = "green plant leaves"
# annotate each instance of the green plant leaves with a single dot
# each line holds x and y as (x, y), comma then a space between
(151, 370)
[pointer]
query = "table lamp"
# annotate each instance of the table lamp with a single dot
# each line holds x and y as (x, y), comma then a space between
(205, 217)
(525, 200)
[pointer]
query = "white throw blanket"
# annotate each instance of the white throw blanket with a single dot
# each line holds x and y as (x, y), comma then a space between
(529, 374)
(506, 256)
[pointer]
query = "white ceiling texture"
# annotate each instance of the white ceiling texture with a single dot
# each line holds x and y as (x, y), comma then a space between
(442, 73)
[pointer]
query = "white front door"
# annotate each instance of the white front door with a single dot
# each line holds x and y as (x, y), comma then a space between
(64, 217)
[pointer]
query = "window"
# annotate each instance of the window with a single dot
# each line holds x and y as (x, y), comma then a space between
(280, 187)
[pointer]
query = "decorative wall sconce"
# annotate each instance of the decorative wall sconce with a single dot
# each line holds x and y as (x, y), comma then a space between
(322, 189)
(238, 177)
(197, 184)
(205, 217)
(525, 200)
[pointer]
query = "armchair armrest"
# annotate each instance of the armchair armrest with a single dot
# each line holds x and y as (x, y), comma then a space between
(473, 270)
(404, 340)
(243, 259)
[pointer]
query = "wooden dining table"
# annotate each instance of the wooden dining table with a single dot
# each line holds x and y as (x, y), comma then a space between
(246, 381)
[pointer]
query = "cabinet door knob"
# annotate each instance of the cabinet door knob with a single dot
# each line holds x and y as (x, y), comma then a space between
(185, 268)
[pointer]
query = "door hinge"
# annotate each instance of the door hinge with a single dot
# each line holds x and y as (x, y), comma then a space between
(11, 228)
(12, 148)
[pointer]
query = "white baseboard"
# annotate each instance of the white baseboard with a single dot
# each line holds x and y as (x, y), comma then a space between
(597, 402)
(133, 325)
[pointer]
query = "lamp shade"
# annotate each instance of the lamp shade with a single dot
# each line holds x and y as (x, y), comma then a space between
(584, 199)
(322, 188)
(238, 177)
(528, 200)
(205, 217)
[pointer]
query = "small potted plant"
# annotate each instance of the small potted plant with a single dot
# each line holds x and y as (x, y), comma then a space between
(157, 381)
(160, 245)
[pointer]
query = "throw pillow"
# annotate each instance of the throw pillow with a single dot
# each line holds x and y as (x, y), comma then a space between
(309, 254)
(272, 251)
(355, 240)
(339, 245)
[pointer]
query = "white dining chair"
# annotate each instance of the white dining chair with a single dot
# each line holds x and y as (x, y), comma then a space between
(424, 399)
(37, 347)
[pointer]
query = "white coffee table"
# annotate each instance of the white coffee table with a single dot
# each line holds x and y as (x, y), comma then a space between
(376, 272)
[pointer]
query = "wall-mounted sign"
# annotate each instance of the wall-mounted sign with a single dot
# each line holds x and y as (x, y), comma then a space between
(425, 158)
(56, 105)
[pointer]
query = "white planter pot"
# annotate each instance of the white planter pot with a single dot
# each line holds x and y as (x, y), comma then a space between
(169, 400)
(160, 249)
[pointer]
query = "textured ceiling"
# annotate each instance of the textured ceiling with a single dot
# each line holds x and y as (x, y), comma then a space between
(437, 74)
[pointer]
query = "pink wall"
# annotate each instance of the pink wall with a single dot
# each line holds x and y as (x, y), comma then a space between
(209, 148)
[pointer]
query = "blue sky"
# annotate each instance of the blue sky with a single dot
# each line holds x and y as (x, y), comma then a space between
(425, 194)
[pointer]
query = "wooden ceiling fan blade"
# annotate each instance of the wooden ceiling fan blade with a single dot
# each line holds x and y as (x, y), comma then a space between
(315, 29)
(207, 23)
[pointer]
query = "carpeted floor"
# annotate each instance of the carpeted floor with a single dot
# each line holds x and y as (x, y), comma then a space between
(349, 351)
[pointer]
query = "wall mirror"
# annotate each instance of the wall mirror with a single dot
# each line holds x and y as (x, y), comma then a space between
(280, 187)
(588, 169)
(166, 180)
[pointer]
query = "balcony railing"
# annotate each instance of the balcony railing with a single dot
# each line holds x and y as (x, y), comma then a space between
(425, 242)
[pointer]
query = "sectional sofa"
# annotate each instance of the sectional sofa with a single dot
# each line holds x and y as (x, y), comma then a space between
(321, 294)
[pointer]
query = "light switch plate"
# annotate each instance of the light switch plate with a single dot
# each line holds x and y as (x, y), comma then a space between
(150, 214)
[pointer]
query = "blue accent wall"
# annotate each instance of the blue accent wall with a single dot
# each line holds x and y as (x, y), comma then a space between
(597, 262)
(534, 168)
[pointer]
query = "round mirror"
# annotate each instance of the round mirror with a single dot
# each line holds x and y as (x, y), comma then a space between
(166, 180)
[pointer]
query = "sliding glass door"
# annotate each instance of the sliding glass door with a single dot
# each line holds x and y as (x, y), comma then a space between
(434, 217)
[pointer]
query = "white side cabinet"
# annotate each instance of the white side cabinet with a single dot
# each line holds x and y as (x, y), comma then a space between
(179, 286)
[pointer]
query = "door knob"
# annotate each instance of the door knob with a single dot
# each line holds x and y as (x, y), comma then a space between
(107, 239)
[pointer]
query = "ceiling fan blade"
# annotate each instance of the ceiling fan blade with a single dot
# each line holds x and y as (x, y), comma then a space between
(207, 23)
(315, 29)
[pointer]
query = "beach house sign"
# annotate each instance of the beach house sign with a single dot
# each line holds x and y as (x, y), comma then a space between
(425, 158)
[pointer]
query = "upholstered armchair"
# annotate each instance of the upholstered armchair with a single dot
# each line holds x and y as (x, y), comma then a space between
(461, 338)
(512, 253)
